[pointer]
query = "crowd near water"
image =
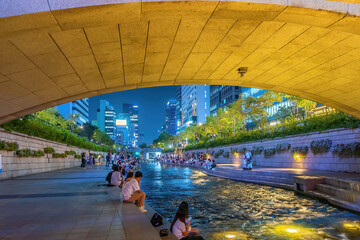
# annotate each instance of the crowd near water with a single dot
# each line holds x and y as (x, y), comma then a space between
(201, 160)
(125, 174)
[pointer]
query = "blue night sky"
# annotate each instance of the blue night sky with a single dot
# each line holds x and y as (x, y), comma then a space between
(151, 102)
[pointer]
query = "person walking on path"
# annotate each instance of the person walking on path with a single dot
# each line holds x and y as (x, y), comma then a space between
(108, 160)
(244, 161)
(112, 158)
(90, 160)
(99, 159)
(83, 160)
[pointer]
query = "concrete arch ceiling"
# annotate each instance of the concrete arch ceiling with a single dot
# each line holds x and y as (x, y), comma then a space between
(53, 51)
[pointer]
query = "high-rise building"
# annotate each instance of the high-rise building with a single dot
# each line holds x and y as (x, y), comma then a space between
(221, 96)
(123, 129)
(110, 121)
(133, 111)
(105, 119)
(170, 115)
(78, 107)
(178, 114)
(195, 105)
(141, 138)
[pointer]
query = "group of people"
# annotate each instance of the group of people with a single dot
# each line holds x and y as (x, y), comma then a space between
(89, 159)
(201, 161)
(121, 159)
(247, 160)
(193, 161)
(122, 176)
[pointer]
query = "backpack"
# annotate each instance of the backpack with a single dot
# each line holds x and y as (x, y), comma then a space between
(108, 177)
(156, 220)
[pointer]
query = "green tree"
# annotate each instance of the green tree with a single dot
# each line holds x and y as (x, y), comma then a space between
(230, 121)
(164, 140)
(102, 137)
(283, 113)
(143, 145)
(256, 108)
(53, 117)
(300, 107)
(71, 122)
(236, 112)
(87, 130)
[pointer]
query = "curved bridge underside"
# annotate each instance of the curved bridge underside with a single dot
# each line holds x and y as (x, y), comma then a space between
(53, 52)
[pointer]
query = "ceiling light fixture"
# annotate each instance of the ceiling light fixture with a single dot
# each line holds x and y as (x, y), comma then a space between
(242, 71)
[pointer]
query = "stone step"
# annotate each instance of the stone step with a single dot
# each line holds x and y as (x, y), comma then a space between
(256, 181)
(336, 201)
(282, 175)
(343, 194)
(271, 173)
(257, 176)
(342, 183)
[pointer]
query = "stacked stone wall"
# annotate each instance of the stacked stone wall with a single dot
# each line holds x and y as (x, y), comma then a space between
(320, 162)
(14, 166)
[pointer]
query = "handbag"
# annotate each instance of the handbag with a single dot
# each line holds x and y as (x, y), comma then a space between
(164, 232)
(156, 220)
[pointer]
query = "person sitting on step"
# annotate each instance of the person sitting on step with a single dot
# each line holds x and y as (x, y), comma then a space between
(116, 177)
(131, 192)
(180, 226)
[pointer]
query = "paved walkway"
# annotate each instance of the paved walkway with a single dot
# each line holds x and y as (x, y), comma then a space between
(292, 171)
(68, 204)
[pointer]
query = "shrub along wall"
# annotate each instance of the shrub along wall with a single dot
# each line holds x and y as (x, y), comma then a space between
(332, 150)
(29, 160)
(308, 125)
(32, 126)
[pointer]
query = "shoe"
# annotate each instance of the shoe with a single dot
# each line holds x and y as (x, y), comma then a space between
(142, 209)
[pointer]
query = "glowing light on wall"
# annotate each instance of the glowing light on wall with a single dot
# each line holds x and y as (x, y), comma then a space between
(297, 157)
(230, 236)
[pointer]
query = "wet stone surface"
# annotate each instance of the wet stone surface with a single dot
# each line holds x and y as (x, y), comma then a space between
(226, 209)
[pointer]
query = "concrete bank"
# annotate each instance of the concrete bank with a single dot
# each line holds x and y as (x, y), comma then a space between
(315, 162)
(14, 166)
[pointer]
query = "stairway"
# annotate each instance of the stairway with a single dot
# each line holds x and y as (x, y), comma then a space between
(343, 193)
(266, 178)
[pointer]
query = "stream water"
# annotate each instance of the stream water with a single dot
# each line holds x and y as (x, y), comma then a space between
(227, 209)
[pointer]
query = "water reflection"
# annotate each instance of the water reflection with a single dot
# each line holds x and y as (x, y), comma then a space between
(226, 209)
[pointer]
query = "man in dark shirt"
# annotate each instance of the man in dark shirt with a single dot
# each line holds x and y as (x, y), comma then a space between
(108, 160)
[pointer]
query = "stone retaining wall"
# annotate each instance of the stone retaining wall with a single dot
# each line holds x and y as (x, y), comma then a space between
(14, 166)
(321, 162)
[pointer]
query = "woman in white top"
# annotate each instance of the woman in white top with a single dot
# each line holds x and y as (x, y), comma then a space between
(180, 226)
(116, 177)
(244, 162)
